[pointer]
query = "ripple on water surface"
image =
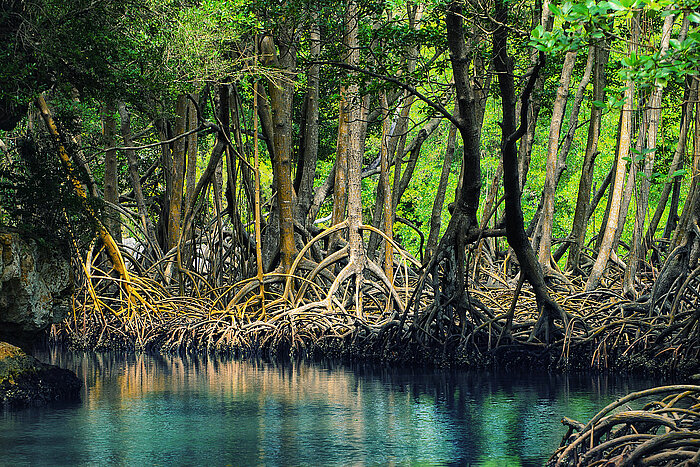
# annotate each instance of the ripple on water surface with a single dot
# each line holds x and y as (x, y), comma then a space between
(146, 409)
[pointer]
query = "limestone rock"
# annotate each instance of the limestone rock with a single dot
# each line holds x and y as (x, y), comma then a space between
(25, 381)
(35, 286)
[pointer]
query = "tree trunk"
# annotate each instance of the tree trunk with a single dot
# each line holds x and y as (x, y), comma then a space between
(578, 229)
(618, 187)
(691, 95)
(191, 169)
(177, 174)
(306, 168)
(436, 214)
(133, 166)
(281, 93)
(111, 171)
(448, 263)
(109, 243)
(685, 224)
(388, 227)
(548, 310)
(546, 20)
(638, 252)
(354, 157)
(547, 215)
(631, 183)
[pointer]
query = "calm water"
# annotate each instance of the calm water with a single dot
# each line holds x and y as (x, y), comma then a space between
(155, 410)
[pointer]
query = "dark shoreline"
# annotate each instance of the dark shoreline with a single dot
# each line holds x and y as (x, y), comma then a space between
(540, 359)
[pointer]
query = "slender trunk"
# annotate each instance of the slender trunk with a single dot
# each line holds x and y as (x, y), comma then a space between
(616, 194)
(571, 132)
(631, 184)
(578, 230)
(257, 213)
(341, 161)
(399, 132)
(177, 174)
(133, 166)
(691, 95)
(111, 171)
(436, 214)
(547, 215)
(613, 169)
(281, 94)
(191, 169)
(109, 243)
(388, 227)
(401, 184)
(637, 251)
(575, 110)
(415, 148)
(306, 168)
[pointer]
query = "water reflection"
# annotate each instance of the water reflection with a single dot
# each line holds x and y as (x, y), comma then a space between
(144, 409)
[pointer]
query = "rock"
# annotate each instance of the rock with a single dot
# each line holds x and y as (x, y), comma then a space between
(25, 381)
(35, 287)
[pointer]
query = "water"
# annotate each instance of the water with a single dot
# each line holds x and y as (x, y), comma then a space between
(155, 410)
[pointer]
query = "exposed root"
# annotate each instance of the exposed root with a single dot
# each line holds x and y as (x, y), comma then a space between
(315, 307)
(664, 432)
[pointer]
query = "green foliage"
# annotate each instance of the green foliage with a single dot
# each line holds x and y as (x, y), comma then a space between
(37, 199)
(204, 41)
(584, 22)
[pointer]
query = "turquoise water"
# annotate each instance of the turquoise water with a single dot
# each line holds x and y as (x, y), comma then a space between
(156, 410)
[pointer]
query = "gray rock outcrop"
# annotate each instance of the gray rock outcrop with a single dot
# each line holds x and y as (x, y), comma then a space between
(35, 287)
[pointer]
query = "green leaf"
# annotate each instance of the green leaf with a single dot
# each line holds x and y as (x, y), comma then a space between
(679, 173)
(537, 32)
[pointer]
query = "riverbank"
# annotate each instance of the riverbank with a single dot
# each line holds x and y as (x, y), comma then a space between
(601, 336)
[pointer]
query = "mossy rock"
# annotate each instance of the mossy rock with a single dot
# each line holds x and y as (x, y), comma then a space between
(25, 381)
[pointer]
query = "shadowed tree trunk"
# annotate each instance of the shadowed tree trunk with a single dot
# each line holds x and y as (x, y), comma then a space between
(308, 153)
(177, 174)
(548, 309)
(281, 91)
(111, 171)
(191, 168)
(133, 166)
(447, 267)
(340, 182)
(436, 214)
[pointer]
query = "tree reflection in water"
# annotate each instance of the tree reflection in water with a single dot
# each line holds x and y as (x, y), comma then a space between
(146, 409)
